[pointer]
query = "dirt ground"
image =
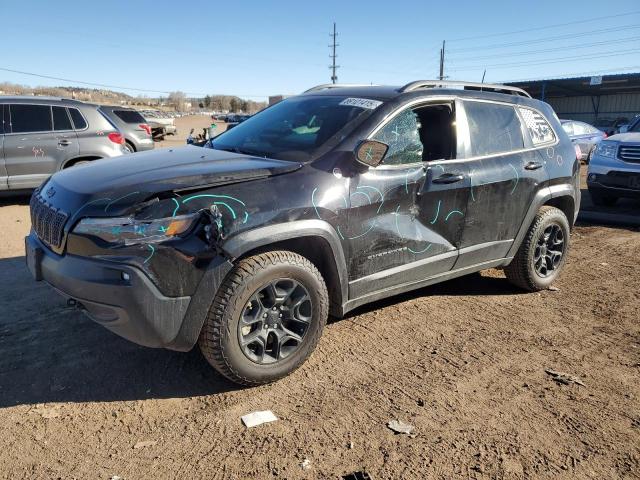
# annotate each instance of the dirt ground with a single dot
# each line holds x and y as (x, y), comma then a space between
(464, 362)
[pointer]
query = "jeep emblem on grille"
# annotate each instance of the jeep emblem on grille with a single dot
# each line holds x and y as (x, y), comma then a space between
(50, 192)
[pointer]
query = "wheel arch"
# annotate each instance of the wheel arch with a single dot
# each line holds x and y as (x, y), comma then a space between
(566, 204)
(315, 240)
(560, 196)
(84, 158)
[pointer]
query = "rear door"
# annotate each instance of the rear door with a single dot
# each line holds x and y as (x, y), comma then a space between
(33, 149)
(505, 173)
(3, 170)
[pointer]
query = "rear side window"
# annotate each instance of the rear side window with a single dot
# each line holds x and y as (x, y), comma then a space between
(129, 116)
(30, 118)
(61, 119)
(538, 127)
(78, 120)
(493, 128)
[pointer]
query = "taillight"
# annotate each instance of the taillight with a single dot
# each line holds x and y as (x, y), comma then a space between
(578, 152)
(604, 135)
(116, 137)
(146, 128)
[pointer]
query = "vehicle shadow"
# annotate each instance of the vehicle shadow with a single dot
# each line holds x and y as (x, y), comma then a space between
(22, 199)
(625, 213)
(54, 353)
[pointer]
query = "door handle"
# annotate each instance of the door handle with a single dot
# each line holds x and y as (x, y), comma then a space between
(533, 166)
(446, 178)
(64, 143)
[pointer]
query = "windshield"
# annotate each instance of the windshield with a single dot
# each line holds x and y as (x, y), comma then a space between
(636, 126)
(299, 128)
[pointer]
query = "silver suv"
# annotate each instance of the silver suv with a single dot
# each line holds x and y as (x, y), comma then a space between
(614, 169)
(132, 125)
(41, 135)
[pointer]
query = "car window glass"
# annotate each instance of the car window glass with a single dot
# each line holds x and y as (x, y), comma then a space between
(493, 128)
(403, 137)
(30, 118)
(580, 128)
(298, 128)
(568, 127)
(539, 129)
(129, 116)
(78, 120)
(61, 120)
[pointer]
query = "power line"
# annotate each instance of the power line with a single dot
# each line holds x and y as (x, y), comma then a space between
(104, 85)
(333, 56)
(575, 22)
(547, 39)
(554, 49)
(545, 62)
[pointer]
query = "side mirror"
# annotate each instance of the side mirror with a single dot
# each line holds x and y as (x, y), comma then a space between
(371, 152)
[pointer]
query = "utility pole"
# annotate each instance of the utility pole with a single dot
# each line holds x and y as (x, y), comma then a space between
(442, 62)
(333, 66)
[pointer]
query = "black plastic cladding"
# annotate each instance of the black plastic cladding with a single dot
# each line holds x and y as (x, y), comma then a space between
(389, 229)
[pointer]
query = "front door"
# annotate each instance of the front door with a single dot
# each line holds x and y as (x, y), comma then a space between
(406, 215)
(34, 150)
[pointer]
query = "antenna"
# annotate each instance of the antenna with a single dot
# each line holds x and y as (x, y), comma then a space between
(333, 66)
(442, 77)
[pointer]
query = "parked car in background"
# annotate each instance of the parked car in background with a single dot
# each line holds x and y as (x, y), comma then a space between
(625, 128)
(160, 124)
(324, 202)
(614, 169)
(610, 126)
(584, 136)
(132, 125)
(42, 135)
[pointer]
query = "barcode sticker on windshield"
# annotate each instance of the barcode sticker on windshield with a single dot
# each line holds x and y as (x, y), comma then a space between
(361, 102)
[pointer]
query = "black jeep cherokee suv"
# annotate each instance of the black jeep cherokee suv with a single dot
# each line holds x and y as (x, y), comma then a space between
(318, 204)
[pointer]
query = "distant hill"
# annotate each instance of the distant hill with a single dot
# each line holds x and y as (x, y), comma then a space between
(175, 100)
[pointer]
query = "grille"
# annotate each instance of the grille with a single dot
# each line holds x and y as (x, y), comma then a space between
(47, 221)
(629, 153)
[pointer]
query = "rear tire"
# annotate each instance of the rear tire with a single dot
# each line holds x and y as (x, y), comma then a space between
(251, 335)
(543, 251)
(128, 146)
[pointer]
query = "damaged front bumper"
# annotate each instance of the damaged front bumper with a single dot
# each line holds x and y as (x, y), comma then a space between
(123, 299)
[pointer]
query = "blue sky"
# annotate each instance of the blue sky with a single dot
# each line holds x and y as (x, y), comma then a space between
(257, 48)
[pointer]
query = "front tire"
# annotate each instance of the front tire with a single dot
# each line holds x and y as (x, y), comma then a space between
(543, 252)
(266, 318)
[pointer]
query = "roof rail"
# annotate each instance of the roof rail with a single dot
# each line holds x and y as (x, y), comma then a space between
(327, 86)
(410, 87)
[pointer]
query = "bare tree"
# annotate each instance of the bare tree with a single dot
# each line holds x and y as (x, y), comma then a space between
(177, 100)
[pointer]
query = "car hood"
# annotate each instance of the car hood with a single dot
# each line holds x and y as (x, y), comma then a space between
(139, 176)
(625, 137)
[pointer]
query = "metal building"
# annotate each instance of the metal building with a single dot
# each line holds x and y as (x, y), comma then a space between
(595, 100)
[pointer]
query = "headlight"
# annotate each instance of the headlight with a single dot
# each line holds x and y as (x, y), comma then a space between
(129, 231)
(607, 149)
